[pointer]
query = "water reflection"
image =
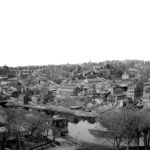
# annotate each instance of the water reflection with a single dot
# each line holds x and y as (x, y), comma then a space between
(91, 120)
(81, 131)
(76, 120)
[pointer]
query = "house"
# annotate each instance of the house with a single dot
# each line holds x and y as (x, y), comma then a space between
(125, 76)
(118, 97)
(58, 125)
(3, 78)
(94, 81)
(122, 103)
(130, 92)
(148, 78)
(24, 73)
(121, 97)
(65, 90)
(124, 88)
(115, 90)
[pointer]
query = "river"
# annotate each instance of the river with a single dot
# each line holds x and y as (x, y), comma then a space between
(80, 131)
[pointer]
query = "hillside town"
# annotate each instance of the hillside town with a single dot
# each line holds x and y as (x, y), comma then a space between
(38, 102)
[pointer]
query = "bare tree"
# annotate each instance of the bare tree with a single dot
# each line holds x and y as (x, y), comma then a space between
(124, 126)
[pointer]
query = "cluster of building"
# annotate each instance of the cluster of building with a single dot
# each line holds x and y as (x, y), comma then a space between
(107, 91)
(31, 86)
(33, 79)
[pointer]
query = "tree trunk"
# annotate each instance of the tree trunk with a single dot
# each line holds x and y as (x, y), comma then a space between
(127, 148)
(146, 140)
(114, 143)
(18, 142)
(138, 146)
(137, 141)
(117, 143)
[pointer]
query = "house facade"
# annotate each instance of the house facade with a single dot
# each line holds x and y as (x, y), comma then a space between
(125, 76)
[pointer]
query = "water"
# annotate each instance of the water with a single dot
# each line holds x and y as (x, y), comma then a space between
(80, 131)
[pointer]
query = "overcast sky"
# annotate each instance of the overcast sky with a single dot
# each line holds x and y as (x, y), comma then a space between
(40, 32)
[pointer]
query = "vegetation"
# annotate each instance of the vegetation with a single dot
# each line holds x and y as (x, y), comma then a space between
(107, 69)
(23, 127)
(127, 126)
(138, 92)
(124, 127)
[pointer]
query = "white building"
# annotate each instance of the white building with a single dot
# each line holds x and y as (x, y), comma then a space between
(130, 92)
(125, 76)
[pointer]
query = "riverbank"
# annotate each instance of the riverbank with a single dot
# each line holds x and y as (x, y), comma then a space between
(92, 146)
(80, 145)
(71, 144)
(63, 110)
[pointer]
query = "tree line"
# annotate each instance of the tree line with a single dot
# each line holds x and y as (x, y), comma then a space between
(126, 127)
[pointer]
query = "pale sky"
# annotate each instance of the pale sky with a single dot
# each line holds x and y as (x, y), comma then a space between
(41, 32)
